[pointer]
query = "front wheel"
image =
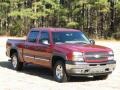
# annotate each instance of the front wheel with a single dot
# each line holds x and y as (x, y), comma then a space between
(17, 65)
(59, 72)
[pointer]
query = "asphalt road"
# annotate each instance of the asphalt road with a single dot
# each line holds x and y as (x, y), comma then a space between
(38, 78)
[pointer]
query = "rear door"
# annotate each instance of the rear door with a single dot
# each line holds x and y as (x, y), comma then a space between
(29, 47)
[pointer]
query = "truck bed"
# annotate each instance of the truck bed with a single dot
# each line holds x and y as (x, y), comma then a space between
(15, 41)
(12, 43)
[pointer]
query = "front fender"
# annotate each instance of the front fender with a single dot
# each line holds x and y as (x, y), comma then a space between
(62, 55)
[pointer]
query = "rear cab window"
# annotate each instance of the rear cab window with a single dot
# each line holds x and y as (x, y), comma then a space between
(33, 36)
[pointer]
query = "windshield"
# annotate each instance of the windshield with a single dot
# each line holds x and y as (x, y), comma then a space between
(69, 37)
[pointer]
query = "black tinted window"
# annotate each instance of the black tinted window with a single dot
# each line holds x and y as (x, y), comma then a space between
(33, 36)
(44, 37)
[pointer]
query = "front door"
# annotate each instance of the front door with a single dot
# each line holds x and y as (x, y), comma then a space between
(44, 50)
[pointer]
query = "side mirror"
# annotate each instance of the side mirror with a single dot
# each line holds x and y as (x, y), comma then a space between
(92, 41)
(46, 42)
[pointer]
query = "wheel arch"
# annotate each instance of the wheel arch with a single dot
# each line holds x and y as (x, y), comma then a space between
(56, 58)
(12, 51)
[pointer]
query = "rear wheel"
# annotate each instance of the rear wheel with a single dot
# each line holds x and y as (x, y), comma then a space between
(59, 72)
(17, 65)
(101, 77)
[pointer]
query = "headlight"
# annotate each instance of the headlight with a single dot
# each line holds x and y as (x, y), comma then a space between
(110, 55)
(78, 56)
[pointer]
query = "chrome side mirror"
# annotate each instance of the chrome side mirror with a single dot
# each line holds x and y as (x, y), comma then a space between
(92, 41)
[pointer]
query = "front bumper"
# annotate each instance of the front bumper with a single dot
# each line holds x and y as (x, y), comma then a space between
(87, 69)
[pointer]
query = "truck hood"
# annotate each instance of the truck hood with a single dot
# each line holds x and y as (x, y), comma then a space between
(83, 47)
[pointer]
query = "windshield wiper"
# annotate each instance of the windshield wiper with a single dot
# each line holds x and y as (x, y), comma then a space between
(71, 42)
(82, 43)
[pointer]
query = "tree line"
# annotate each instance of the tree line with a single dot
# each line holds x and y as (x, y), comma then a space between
(96, 18)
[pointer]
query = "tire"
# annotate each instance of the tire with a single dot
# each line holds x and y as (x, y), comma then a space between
(17, 65)
(101, 77)
(59, 72)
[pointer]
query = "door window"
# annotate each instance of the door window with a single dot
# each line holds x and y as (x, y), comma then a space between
(33, 36)
(44, 39)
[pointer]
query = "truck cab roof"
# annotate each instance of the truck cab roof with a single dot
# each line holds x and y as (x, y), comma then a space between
(54, 29)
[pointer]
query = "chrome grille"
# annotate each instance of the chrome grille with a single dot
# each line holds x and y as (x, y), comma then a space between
(96, 55)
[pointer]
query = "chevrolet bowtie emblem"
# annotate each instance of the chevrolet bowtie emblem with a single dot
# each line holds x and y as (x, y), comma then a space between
(97, 56)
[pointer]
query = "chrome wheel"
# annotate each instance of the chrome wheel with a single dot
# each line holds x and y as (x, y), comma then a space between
(17, 65)
(14, 61)
(59, 72)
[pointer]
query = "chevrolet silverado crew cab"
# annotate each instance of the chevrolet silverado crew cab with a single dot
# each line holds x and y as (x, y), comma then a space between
(66, 52)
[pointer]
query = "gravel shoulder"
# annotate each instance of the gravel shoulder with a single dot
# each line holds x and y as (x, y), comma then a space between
(38, 78)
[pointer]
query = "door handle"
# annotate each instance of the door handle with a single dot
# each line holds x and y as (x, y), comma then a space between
(37, 48)
(26, 46)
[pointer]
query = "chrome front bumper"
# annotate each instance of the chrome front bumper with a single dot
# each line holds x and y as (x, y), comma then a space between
(87, 69)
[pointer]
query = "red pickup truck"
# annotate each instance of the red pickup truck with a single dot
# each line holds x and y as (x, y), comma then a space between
(67, 52)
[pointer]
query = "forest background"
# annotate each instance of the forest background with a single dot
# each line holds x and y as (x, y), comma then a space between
(98, 19)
